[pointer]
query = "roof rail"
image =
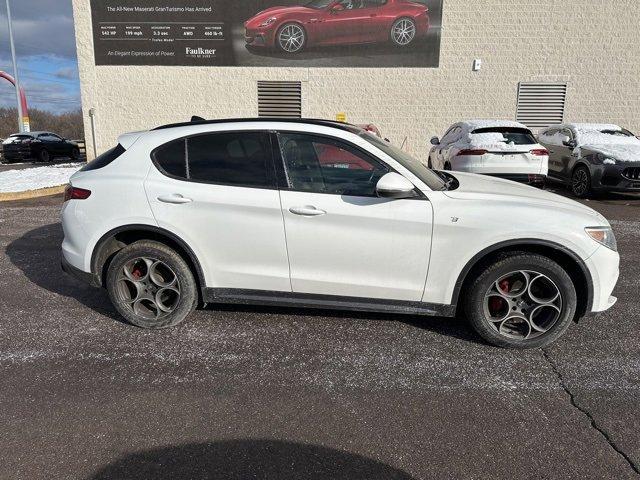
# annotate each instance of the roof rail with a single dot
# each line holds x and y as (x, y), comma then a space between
(313, 121)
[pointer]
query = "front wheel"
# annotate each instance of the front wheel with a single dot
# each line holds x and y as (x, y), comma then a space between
(291, 38)
(581, 182)
(151, 286)
(522, 300)
(403, 32)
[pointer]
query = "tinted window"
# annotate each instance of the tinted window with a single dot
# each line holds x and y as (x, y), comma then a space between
(105, 159)
(517, 136)
(324, 165)
(172, 159)
(239, 158)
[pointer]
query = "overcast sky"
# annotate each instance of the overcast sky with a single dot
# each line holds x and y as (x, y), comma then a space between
(46, 52)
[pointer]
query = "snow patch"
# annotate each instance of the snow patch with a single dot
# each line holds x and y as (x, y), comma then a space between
(36, 178)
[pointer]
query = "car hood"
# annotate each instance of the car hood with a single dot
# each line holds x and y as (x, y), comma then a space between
(621, 152)
(482, 187)
(273, 11)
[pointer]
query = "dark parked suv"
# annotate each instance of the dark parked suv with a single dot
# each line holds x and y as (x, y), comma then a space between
(41, 146)
(593, 158)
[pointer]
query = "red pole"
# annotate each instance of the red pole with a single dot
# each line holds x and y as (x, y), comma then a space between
(23, 98)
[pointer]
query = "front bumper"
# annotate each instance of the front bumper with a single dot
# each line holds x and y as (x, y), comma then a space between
(616, 178)
(604, 266)
(259, 37)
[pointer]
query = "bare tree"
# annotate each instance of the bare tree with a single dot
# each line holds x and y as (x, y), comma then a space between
(68, 124)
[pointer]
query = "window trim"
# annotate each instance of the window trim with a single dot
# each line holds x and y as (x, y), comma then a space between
(281, 168)
(271, 171)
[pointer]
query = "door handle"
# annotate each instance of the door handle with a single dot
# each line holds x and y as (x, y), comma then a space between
(174, 198)
(307, 211)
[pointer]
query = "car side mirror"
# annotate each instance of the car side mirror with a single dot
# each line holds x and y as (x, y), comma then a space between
(338, 7)
(394, 185)
(567, 142)
(435, 141)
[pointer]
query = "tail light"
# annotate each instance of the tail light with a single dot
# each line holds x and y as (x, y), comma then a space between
(471, 152)
(539, 152)
(75, 193)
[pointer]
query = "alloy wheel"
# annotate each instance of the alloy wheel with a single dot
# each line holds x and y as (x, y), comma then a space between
(291, 38)
(580, 182)
(523, 304)
(149, 288)
(403, 32)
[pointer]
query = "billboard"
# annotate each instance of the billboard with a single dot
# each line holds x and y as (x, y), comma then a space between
(267, 33)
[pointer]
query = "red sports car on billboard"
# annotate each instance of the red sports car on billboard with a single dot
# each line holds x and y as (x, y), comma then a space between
(337, 22)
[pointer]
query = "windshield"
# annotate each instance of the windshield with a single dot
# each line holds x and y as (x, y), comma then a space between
(617, 133)
(428, 176)
(517, 136)
(319, 4)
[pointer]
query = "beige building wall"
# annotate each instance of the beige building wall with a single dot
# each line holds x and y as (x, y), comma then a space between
(593, 45)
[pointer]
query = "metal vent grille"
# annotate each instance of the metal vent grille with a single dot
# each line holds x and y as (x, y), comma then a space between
(541, 105)
(280, 99)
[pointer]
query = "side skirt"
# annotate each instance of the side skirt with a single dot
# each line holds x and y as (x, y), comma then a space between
(335, 302)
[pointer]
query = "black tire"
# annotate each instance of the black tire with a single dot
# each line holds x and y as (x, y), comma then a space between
(477, 298)
(120, 289)
(297, 27)
(581, 182)
(447, 166)
(399, 40)
(44, 155)
(75, 154)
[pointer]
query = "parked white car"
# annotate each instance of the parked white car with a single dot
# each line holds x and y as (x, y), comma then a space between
(500, 148)
(323, 214)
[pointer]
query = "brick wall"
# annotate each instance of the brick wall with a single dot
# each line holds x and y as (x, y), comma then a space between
(593, 45)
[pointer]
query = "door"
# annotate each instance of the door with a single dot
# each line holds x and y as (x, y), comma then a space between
(559, 154)
(345, 25)
(52, 143)
(342, 239)
(217, 192)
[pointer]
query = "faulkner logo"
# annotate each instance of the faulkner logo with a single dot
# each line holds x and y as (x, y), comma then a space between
(200, 51)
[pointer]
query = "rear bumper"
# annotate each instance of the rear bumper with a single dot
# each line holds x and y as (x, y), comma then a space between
(85, 277)
(534, 180)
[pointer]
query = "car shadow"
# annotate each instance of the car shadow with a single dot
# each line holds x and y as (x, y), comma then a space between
(243, 459)
(37, 255)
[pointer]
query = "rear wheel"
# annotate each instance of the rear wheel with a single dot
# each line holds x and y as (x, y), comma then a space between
(75, 154)
(151, 286)
(523, 300)
(581, 182)
(403, 32)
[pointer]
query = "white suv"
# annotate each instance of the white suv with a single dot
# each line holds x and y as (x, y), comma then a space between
(315, 213)
(500, 148)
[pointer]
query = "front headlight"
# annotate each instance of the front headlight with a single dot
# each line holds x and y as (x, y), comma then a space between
(604, 236)
(268, 22)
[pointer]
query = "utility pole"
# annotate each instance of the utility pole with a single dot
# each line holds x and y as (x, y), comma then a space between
(15, 71)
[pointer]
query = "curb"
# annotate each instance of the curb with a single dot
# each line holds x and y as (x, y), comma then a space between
(41, 192)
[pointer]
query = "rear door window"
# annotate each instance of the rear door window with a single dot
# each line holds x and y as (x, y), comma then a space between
(227, 158)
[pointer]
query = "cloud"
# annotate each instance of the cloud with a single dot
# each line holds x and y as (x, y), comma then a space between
(67, 73)
(40, 27)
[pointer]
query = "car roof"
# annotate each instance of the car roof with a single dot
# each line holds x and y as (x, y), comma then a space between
(29, 134)
(304, 121)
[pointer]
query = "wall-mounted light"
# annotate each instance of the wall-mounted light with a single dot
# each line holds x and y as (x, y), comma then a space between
(477, 64)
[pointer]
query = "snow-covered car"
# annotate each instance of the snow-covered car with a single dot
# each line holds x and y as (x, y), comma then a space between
(248, 211)
(593, 158)
(500, 148)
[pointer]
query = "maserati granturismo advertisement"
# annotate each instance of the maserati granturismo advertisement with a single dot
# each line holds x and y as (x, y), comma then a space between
(269, 33)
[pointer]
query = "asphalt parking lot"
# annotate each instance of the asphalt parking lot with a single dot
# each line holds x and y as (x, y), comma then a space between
(237, 392)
